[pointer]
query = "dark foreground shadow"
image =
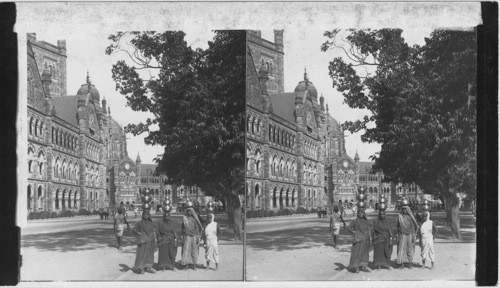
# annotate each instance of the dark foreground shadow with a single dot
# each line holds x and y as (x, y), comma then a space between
(340, 267)
(124, 268)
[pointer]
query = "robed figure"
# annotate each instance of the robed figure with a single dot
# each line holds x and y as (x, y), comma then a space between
(191, 233)
(362, 229)
(382, 242)
(146, 247)
(407, 235)
(167, 238)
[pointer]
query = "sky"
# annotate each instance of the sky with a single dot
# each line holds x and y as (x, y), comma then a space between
(302, 50)
(85, 51)
(86, 27)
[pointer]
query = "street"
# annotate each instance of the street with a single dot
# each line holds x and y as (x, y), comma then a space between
(85, 248)
(300, 247)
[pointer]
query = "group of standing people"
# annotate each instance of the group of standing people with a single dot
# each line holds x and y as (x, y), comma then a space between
(164, 234)
(380, 234)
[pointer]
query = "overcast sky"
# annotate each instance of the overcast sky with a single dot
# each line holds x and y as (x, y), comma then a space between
(302, 50)
(85, 51)
(85, 26)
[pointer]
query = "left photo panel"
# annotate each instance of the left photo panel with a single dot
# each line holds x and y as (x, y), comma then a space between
(131, 149)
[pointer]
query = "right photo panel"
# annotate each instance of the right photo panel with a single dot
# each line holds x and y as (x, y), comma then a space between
(361, 152)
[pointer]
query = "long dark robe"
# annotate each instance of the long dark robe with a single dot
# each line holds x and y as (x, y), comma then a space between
(361, 228)
(166, 241)
(146, 247)
(407, 228)
(191, 230)
(382, 243)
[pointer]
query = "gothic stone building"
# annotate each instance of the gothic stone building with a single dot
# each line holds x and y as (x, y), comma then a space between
(77, 153)
(66, 135)
(296, 153)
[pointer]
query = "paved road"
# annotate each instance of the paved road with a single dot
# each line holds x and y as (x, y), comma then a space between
(301, 249)
(85, 249)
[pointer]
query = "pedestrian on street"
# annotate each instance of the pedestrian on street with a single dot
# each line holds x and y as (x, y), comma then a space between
(354, 209)
(382, 242)
(407, 229)
(335, 220)
(362, 229)
(146, 247)
(211, 235)
(427, 234)
(167, 247)
(119, 225)
(191, 232)
(136, 211)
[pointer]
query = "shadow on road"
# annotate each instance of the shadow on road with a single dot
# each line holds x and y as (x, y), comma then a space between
(124, 268)
(340, 267)
(97, 238)
(298, 238)
(315, 236)
(77, 240)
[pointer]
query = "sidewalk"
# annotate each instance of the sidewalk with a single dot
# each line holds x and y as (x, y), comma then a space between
(90, 254)
(307, 253)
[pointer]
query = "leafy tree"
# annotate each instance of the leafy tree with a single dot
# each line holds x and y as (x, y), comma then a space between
(419, 100)
(197, 99)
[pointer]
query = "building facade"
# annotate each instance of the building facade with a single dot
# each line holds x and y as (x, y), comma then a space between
(77, 153)
(296, 154)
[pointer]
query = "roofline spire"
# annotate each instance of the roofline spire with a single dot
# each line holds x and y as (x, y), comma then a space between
(88, 78)
(305, 75)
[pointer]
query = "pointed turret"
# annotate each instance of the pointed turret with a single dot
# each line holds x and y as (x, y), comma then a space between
(322, 102)
(138, 159)
(356, 157)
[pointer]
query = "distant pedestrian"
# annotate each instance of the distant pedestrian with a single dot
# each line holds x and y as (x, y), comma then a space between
(427, 234)
(335, 220)
(362, 229)
(167, 247)
(211, 235)
(119, 226)
(382, 242)
(407, 229)
(146, 247)
(354, 210)
(191, 233)
(136, 211)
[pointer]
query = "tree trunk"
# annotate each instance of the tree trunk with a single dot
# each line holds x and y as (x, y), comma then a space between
(234, 216)
(453, 215)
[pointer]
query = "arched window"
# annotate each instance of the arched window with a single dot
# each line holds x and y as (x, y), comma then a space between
(64, 199)
(29, 198)
(69, 198)
(287, 204)
(282, 197)
(274, 196)
(75, 200)
(257, 195)
(31, 125)
(39, 198)
(57, 199)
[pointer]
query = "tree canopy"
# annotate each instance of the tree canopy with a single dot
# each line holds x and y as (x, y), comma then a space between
(197, 99)
(419, 99)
